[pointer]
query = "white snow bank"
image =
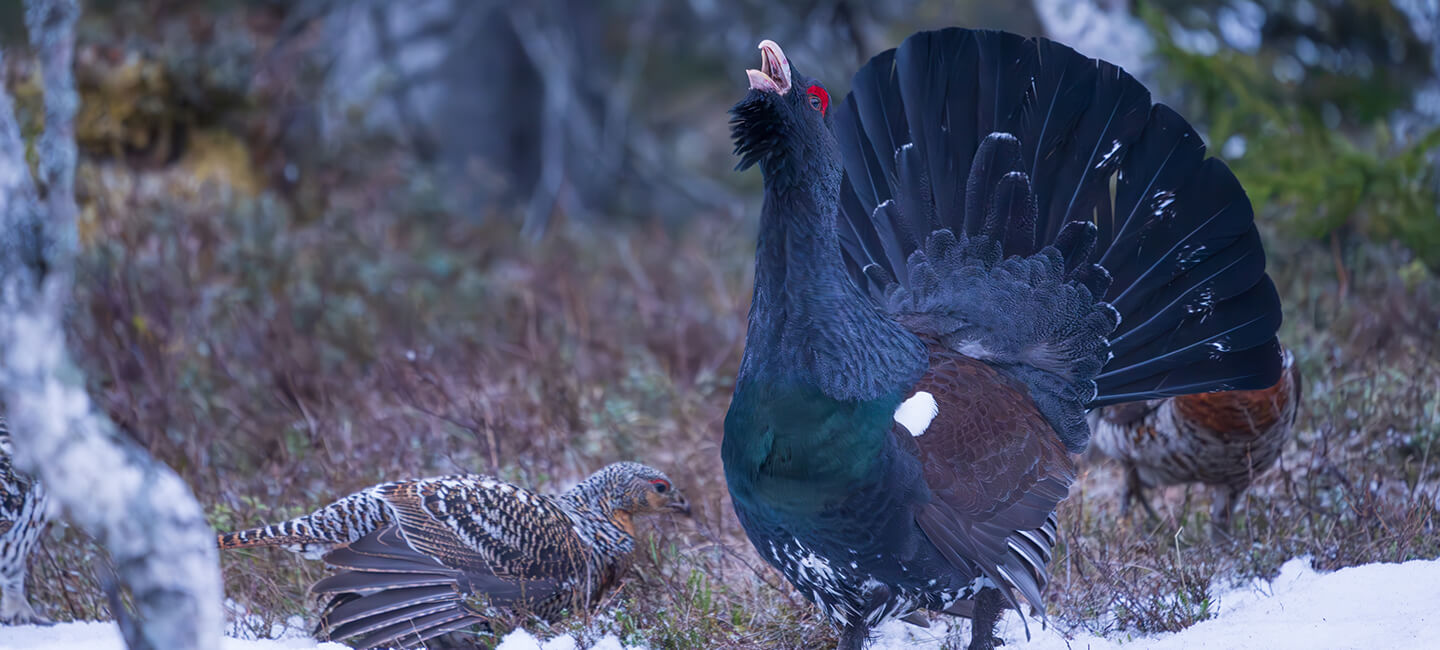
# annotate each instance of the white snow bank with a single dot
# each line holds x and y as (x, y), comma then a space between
(1371, 606)
(105, 636)
(521, 640)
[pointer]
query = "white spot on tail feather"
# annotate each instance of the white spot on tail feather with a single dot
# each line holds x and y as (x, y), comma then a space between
(916, 413)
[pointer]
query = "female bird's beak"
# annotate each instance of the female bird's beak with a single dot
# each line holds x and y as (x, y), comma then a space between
(680, 505)
(774, 73)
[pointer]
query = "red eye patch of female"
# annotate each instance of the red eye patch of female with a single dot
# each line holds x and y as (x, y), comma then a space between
(819, 99)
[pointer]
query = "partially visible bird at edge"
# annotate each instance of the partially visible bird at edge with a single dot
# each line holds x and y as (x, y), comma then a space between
(1223, 440)
(23, 516)
(420, 558)
(987, 237)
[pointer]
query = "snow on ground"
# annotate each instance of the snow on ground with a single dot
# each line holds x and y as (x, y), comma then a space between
(1371, 606)
(105, 636)
(521, 640)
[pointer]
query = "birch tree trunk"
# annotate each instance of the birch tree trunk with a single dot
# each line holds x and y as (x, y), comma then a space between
(137, 508)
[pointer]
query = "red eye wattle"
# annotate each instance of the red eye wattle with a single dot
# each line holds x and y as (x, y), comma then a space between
(819, 99)
(660, 485)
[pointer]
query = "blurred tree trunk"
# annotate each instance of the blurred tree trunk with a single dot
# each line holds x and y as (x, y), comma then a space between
(580, 108)
(163, 551)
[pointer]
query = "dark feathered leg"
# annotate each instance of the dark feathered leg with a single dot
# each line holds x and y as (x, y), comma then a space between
(853, 637)
(1135, 493)
(1220, 511)
(856, 633)
(989, 605)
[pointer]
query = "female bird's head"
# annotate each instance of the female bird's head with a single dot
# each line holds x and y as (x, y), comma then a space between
(634, 488)
(783, 122)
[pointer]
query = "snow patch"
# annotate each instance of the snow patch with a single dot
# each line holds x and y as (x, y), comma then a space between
(1370, 606)
(94, 635)
(522, 640)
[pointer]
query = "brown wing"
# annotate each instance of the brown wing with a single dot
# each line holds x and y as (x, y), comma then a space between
(488, 526)
(996, 469)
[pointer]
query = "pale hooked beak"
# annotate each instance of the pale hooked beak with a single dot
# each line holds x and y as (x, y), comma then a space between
(774, 73)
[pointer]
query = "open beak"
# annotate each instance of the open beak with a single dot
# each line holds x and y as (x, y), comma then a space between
(774, 73)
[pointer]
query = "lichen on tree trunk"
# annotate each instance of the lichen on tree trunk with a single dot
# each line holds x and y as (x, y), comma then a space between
(138, 509)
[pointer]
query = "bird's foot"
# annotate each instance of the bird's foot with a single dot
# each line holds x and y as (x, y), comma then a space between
(853, 637)
(1220, 534)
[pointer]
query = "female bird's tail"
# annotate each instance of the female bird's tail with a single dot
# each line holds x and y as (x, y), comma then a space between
(312, 535)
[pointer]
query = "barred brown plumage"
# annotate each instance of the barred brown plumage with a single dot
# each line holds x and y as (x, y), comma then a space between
(22, 518)
(1223, 439)
(419, 558)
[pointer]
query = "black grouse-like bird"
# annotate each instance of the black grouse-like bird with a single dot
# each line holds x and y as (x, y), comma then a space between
(989, 236)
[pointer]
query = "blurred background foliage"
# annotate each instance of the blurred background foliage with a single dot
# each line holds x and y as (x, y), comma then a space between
(328, 243)
(1328, 112)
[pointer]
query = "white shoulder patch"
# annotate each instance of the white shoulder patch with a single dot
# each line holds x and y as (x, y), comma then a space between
(916, 413)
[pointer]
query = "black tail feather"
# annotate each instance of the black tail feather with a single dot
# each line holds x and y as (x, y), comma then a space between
(1006, 67)
(1012, 214)
(1208, 287)
(918, 206)
(998, 155)
(1075, 242)
(943, 133)
(1227, 350)
(1078, 188)
(882, 123)
(933, 137)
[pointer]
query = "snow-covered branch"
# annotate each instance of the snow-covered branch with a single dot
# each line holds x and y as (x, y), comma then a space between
(137, 508)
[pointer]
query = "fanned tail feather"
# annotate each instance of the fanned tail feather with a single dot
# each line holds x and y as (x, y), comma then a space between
(1000, 190)
(338, 523)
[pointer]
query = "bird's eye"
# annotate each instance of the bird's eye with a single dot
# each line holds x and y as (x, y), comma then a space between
(819, 99)
(660, 485)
